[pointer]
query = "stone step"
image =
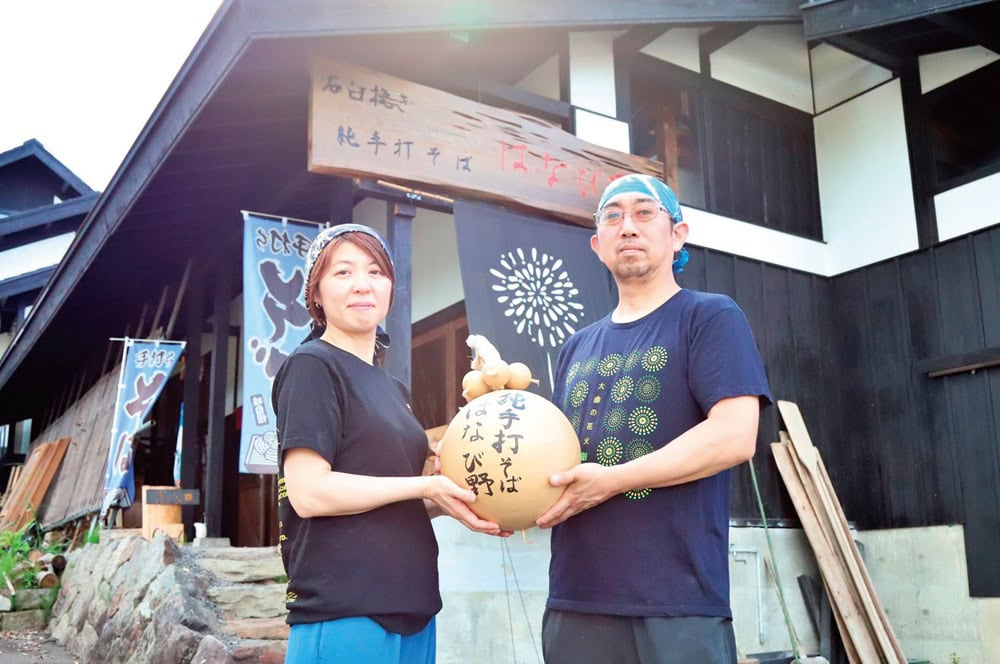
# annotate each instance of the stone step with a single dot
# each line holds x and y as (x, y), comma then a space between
(236, 553)
(257, 651)
(242, 601)
(235, 570)
(269, 629)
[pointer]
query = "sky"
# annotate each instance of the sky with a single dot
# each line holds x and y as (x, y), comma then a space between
(83, 76)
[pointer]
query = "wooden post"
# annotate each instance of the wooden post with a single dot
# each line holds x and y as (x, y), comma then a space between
(190, 438)
(216, 443)
(399, 324)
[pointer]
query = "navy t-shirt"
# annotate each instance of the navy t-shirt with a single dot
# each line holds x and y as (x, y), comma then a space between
(381, 563)
(629, 389)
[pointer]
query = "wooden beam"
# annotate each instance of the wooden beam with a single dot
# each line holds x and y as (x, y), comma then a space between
(960, 362)
(216, 443)
(319, 18)
(637, 38)
(393, 193)
(191, 444)
(716, 38)
(823, 19)
(923, 173)
(966, 31)
(400, 236)
(865, 51)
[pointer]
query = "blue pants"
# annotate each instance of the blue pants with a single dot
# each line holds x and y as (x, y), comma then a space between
(359, 641)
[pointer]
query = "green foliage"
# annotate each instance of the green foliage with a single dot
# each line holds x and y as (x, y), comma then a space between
(93, 534)
(14, 548)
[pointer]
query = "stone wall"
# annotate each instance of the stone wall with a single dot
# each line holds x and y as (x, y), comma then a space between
(129, 600)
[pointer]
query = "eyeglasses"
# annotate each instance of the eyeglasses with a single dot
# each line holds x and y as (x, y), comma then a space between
(640, 214)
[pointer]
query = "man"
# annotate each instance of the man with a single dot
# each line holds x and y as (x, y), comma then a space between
(665, 394)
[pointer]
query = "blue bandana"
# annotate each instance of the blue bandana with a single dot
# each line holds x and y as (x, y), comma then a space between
(647, 185)
(643, 184)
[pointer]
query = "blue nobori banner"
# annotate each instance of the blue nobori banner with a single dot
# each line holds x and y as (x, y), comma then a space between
(146, 365)
(275, 321)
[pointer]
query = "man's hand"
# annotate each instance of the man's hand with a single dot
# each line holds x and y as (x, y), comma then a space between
(587, 485)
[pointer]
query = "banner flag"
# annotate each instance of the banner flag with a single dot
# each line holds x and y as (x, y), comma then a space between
(146, 365)
(179, 448)
(529, 283)
(275, 321)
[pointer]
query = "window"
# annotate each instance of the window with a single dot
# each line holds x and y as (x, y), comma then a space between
(725, 150)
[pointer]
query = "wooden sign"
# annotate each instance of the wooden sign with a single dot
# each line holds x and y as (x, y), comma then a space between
(365, 123)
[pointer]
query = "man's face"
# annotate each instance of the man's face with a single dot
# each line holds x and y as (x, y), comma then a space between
(638, 251)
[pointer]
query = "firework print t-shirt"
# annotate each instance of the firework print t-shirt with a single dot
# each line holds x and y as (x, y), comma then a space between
(630, 389)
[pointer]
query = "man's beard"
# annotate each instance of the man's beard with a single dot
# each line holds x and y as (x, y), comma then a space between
(635, 272)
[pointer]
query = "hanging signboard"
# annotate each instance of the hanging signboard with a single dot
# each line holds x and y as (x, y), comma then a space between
(146, 365)
(370, 124)
(275, 321)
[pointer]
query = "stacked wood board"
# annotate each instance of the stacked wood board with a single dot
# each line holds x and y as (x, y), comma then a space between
(27, 492)
(861, 619)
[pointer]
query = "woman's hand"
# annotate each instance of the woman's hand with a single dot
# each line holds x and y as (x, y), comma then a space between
(453, 500)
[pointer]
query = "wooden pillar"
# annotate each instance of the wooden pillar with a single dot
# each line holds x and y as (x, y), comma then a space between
(191, 445)
(922, 166)
(341, 201)
(399, 323)
(216, 443)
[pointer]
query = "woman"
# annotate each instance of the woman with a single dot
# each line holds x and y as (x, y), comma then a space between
(356, 539)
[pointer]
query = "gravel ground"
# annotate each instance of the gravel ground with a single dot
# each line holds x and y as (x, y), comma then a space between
(29, 647)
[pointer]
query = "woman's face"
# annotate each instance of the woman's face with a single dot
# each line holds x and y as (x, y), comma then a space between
(353, 292)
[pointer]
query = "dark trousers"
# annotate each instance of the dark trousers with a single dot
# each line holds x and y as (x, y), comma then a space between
(582, 638)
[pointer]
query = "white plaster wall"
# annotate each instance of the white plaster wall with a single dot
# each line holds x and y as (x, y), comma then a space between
(437, 279)
(678, 46)
(35, 256)
(592, 71)
(771, 61)
(838, 75)
(602, 130)
(865, 192)
(968, 208)
(936, 69)
(740, 238)
(544, 80)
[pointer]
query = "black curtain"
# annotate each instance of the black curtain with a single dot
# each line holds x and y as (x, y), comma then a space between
(529, 283)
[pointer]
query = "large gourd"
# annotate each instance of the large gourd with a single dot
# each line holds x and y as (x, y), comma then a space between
(505, 444)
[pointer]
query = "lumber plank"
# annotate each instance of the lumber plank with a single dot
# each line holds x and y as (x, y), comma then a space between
(33, 484)
(811, 460)
(882, 616)
(852, 623)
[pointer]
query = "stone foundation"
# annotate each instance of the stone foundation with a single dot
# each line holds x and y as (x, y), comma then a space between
(129, 600)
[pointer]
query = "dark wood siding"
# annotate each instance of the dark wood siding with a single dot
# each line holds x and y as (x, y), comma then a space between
(759, 159)
(903, 449)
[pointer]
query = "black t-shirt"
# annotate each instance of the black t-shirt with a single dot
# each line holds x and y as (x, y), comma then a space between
(381, 563)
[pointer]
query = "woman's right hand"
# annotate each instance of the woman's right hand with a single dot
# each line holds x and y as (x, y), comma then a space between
(454, 501)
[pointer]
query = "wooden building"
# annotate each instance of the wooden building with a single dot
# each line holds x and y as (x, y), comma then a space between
(42, 203)
(838, 162)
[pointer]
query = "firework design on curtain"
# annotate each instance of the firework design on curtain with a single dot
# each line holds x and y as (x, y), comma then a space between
(539, 298)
